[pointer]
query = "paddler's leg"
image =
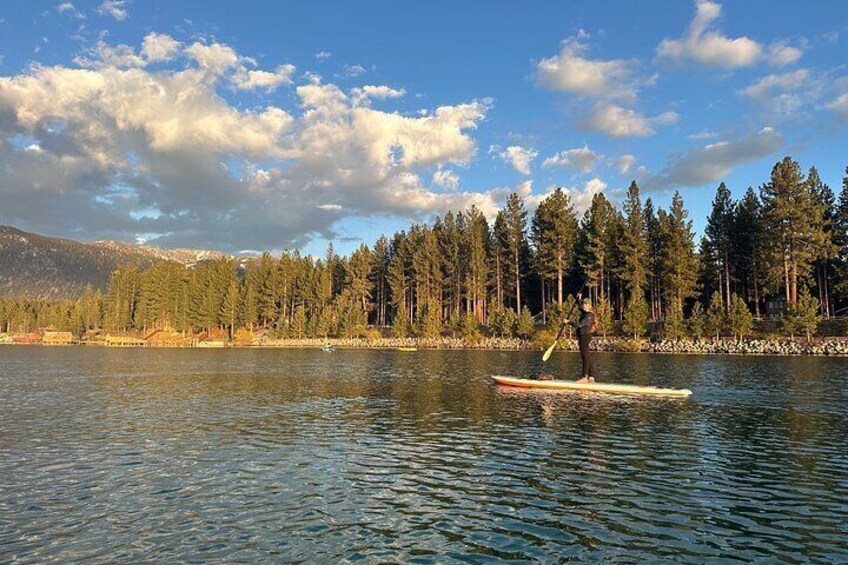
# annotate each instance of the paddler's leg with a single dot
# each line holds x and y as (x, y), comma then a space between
(587, 359)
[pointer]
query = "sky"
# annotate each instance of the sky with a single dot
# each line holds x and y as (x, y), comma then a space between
(260, 125)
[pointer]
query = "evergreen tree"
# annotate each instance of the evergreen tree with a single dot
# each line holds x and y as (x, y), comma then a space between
(603, 317)
(554, 231)
(524, 323)
(677, 260)
(740, 320)
(636, 315)
(719, 234)
(794, 219)
(297, 328)
(749, 243)
(696, 324)
(715, 319)
(515, 219)
(674, 326)
(634, 245)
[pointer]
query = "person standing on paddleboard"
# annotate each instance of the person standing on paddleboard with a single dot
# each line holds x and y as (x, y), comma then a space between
(585, 326)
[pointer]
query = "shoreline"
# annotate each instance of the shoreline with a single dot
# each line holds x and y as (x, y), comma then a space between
(827, 347)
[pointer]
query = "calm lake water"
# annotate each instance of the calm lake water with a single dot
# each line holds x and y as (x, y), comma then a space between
(380, 456)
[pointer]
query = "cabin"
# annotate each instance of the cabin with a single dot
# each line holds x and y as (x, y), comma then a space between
(6, 339)
(775, 308)
(28, 338)
(124, 341)
(57, 338)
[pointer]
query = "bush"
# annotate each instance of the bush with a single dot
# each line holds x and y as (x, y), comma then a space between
(629, 345)
(542, 339)
(373, 334)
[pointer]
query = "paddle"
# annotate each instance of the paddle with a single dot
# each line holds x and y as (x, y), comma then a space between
(550, 350)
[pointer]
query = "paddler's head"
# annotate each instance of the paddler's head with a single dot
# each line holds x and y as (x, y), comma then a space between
(586, 305)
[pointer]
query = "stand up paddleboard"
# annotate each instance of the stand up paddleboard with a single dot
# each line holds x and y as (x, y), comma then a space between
(593, 387)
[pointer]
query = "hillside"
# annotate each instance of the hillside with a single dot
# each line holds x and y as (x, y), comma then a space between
(38, 266)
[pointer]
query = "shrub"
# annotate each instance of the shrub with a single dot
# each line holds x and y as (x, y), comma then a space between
(524, 323)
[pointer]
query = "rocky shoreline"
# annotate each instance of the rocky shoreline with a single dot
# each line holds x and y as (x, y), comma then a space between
(821, 346)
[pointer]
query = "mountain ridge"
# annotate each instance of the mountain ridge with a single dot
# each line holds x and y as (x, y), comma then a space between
(39, 266)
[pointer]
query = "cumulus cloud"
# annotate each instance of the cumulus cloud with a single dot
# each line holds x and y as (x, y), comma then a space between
(703, 43)
(445, 178)
(571, 71)
(712, 163)
(617, 121)
(125, 151)
(519, 157)
(159, 47)
(581, 197)
(380, 92)
(581, 159)
(115, 8)
(624, 163)
(102, 55)
(247, 79)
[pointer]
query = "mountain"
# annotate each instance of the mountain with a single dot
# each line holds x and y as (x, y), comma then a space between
(37, 266)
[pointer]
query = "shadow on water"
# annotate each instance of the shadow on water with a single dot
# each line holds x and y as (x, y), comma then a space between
(296, 455)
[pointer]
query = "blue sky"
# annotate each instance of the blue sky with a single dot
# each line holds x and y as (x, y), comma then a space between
(271, 125)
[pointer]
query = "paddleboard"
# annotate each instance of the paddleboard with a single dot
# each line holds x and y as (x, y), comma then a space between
(593, 387)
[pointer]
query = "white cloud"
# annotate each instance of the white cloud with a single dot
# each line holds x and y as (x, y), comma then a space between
(116, 141)
(706, 45)
(216, 58)
(713, 162)
(66, 8)
(840, 106)
(570, 71)
(115, 8)
(445, 178)
(616, 121)
(519, 157)
(780, 54)
(323, 55)
(104, 55)
(581, 159)
(581, 197)
(782, 93)
(380, 92)
(624, 163)
(701, 135)
(159, 47)
(246, 79)
(351, 71)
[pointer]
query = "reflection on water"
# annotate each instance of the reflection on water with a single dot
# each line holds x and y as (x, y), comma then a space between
(275, 455)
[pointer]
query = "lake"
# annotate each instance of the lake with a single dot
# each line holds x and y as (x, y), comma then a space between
(247, 455)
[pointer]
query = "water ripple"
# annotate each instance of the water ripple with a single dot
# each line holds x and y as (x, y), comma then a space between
(296, 456)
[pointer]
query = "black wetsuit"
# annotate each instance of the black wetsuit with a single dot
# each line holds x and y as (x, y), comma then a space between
(584, 336)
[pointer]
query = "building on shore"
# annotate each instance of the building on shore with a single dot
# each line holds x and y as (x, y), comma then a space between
(57, 338)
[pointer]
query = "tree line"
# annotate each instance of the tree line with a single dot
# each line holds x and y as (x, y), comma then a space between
(785, 242)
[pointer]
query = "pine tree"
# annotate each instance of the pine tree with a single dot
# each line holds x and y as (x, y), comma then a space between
(297, 328)
(229, 307)
(715, 319)
(794, 219)
(696, 324)
(636, 315)
(748, 251)
(719, 233)
(634, 245)
(515, 218)
(740, 319)
(603, 317)
(674, 326)
(554, 231)
(524, 324)
(678, 263)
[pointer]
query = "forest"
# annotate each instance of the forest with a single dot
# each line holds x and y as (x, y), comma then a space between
(781, 250)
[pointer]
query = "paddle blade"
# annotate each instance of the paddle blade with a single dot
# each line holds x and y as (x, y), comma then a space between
(548, 352)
